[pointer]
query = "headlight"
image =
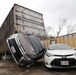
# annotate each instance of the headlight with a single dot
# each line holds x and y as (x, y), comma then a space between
(48, 54)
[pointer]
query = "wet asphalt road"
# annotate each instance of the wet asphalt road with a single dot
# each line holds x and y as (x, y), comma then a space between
(9, 67)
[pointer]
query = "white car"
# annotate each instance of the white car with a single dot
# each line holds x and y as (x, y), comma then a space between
(60, 56)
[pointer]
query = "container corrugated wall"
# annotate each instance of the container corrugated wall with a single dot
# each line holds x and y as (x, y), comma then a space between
(21, 19)
(29, 21)
(6, 30)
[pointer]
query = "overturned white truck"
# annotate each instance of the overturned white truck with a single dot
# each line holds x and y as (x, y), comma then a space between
(25, 49)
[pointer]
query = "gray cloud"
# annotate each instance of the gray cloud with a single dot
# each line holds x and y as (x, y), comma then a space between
(52, 10)
(61, 9)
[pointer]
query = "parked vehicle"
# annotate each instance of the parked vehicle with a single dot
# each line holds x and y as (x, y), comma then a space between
(25, 49)
(60, 56)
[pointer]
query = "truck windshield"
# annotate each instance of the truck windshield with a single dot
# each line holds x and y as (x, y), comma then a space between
(59, 47)
(36, 43)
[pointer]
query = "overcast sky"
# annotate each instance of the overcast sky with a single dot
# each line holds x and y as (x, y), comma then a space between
(52, 10)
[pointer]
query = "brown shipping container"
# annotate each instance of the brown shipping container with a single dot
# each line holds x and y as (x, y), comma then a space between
(21, 19)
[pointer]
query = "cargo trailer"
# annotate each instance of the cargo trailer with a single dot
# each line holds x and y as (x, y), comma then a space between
(21, 19)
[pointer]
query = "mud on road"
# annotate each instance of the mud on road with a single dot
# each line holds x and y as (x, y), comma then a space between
(9, 67)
